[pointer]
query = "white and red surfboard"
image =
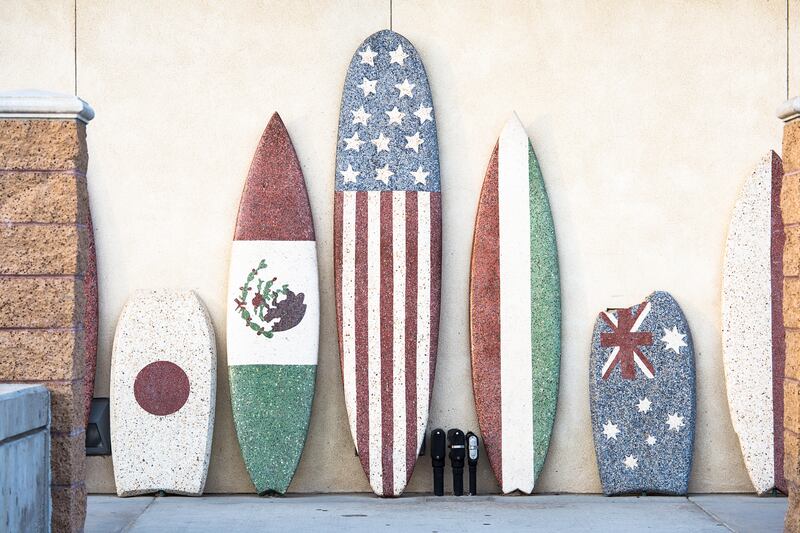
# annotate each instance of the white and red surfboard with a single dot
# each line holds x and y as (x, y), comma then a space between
(753, 345)
(163, 389)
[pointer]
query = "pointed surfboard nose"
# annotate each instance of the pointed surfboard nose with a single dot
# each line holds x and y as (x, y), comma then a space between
(513, 128)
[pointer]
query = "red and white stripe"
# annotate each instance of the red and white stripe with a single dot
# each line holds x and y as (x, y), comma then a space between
(387, 260)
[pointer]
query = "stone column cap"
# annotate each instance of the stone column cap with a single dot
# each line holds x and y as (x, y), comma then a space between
(790, 109)
(44, 104)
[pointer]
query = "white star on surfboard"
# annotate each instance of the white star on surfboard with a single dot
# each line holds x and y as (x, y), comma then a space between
(368, 56)
(673, 339)
(610, 430)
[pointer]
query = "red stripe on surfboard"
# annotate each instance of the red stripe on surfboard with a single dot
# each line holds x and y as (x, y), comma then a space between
(778, 331)
(274, 204)
(485, 316)
(387, 340)
(412, 227)
(361, 332)
(436, 282)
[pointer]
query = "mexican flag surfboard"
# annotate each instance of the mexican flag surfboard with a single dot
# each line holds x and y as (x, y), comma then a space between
(273, 313)
(515, 313)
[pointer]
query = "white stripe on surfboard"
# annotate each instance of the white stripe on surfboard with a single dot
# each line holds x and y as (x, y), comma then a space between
(516, 364)
(423, 311)
(399, 337)
(374, 338)
(348, 307)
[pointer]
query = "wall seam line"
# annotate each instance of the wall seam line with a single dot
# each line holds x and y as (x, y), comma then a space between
(75, 44)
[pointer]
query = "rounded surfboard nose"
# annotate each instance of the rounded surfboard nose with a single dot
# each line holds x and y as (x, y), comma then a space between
(163, 392)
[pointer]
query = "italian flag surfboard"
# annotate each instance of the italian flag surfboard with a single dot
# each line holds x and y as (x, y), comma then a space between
(515, 313)
(273, 313)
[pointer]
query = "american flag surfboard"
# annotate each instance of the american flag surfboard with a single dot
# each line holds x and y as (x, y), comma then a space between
(387, 247)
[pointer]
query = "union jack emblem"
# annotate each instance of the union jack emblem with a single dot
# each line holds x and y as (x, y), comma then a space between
(625, 339)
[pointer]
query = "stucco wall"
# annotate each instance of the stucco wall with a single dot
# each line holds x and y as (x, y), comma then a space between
(646, 118)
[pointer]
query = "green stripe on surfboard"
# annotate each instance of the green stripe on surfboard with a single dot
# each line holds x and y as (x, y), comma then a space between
(545, 313)
(271, 409)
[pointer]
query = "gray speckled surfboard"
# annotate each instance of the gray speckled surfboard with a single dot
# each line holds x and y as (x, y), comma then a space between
(387, 247)
(273, 314)
(642, 391)
(515, 313)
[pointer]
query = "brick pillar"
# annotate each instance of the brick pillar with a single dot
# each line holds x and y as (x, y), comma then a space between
(790, 207)
(44, 239)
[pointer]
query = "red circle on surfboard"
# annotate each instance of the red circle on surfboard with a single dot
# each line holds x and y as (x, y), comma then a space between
(161, 388)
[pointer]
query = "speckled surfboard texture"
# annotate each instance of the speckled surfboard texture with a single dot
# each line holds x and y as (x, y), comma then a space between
(753, 345)
(273, 313)
(642, 393)
(515, 313)
(387, 255)
(90, 319)
(163, 392)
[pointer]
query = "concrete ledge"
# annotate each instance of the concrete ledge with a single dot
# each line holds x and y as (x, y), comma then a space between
(44, 104)
(789, 110)
(23, 408)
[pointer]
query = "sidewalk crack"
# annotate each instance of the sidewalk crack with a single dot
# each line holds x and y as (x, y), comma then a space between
(711, 515)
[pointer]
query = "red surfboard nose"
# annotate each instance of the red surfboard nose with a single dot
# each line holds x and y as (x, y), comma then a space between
(161, 388)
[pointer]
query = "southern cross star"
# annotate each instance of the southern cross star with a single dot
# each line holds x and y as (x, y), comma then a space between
(368, 56)
(420, 176)
(673, 339)
(631, 462)
(360, 116)
(368, 86)
(644, 405)
(395, 116)
(349, 175)
(405, 88)
(650, 440)
(381, 143)
(610, 430)
(383, 174)
(398, 55)
(675, 422)
(353, 143)
(423, 114)
(414, 141)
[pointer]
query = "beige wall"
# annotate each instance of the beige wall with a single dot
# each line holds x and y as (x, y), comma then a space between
(644, 111)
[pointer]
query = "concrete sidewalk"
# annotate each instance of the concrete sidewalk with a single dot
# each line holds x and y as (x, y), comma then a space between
(230, 514)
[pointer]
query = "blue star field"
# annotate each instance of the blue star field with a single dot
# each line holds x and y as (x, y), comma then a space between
(400, 159)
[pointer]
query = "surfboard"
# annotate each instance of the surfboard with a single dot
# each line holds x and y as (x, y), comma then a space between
(387, 255)
(515, 313)
(753, 346)
(90, 319)
(642, 396)
(273, 313)
(163, 389)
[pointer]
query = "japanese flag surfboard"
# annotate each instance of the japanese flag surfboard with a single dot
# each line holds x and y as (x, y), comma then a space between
(642, 395)
(515, 313)
(387, 255)
(163, 389)
(273, 313)
(753, 346)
